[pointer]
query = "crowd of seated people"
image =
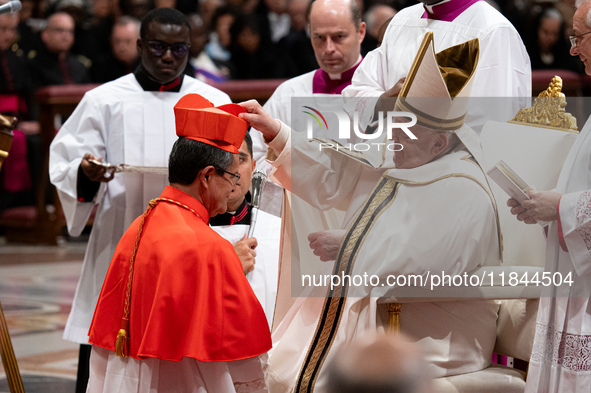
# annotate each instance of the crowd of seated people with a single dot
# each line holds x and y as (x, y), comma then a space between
(53, 42)
(280, 31)
(244, 39)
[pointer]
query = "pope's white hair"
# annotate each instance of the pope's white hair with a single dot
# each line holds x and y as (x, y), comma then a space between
(579, 3)
(453, 142)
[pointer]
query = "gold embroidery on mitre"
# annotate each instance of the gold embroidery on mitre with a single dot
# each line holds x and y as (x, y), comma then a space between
(548, 110)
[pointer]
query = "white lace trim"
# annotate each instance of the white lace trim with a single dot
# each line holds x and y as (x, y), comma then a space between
(569, 351)
(258, 386)
(583, 217)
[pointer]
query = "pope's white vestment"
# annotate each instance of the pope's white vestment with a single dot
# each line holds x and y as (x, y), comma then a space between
(121, 123)
(503, 67)
(279, 106)
(263, 279)
(561, 356)
(425, 220)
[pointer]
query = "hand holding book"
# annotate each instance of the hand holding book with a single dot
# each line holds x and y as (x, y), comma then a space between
(509, 181)
(527, 204)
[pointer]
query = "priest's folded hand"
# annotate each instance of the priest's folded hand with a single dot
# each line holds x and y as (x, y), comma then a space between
(520, 212)
(245, 251)
(326, 244)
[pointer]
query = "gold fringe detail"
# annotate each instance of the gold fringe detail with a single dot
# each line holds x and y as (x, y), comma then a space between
(122, 341)
(122, 344)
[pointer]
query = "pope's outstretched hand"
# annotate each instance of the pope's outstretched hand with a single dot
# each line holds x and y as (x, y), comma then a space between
(259, 119)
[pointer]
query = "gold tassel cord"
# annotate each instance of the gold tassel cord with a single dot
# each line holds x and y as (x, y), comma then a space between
(122, 344)
(122, 341)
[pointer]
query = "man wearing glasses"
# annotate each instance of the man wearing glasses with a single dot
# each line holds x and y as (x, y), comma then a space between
(176, 313)
(580, 44)
(131, 121)
(561, 350)
(234, 226)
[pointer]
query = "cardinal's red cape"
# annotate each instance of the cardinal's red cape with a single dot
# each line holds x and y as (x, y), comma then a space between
(189, 295)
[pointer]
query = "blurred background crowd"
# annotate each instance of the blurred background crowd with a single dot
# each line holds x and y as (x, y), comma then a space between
(56, 42)
(94, 41)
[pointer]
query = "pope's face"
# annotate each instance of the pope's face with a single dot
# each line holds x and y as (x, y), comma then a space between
(583, 47)
(335, 39)
(415, 152)
(165, 67)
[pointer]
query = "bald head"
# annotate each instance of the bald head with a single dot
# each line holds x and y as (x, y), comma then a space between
(581, 26)
(382, 363)
(355, 12)
(336, 31)
(376, 16)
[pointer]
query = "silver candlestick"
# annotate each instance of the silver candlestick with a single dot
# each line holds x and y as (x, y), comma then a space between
(259, 178)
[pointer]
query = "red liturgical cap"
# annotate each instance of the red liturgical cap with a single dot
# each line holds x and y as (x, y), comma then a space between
(196, 118)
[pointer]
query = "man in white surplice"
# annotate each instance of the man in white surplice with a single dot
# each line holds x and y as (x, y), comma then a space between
(431, 213)
(131, 121)
(560, 360)
(503, 69)
(336, 33)
(259, 254)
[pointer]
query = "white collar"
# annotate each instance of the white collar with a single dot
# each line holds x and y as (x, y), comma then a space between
(338, 76)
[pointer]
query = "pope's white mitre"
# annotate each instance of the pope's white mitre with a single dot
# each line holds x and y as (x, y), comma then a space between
(438, 84)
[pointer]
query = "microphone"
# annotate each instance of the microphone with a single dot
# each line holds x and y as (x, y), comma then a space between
(10, 7)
